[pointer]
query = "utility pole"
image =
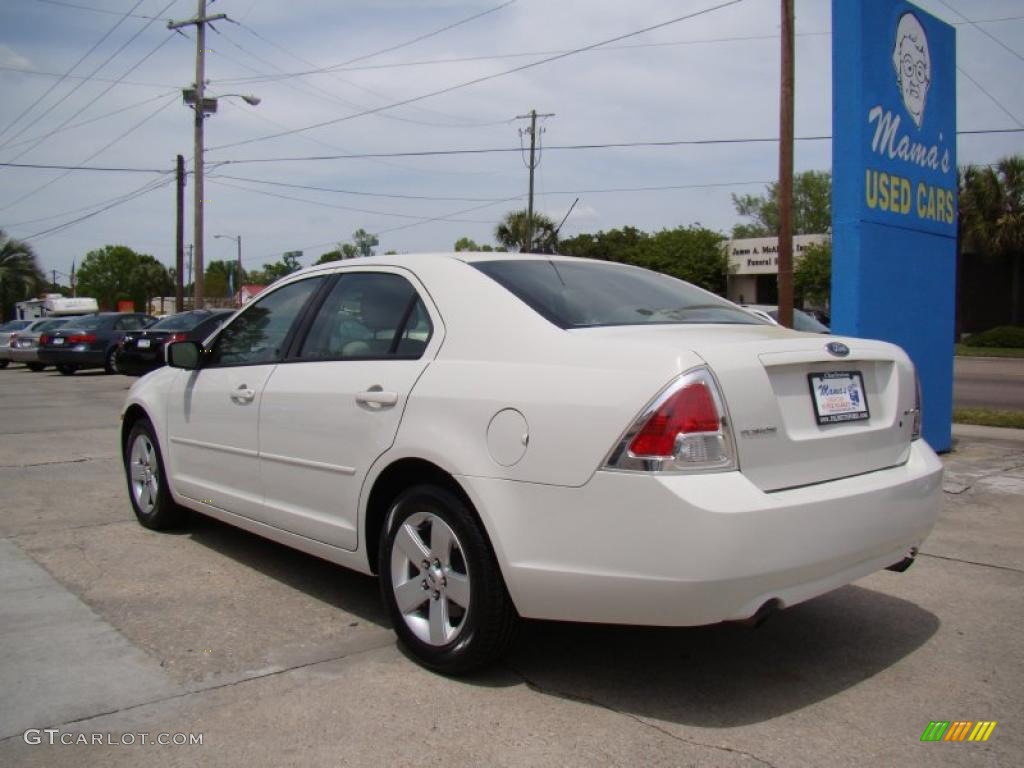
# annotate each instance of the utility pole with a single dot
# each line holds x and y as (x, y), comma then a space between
(190, 270)
(179, 240)
(200, 21)
(54, 280)
(532, 165)
(786, 170)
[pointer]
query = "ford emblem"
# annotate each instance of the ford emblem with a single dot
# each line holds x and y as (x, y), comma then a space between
(837, 349)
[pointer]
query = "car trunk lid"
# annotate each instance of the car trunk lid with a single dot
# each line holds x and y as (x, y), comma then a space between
(766, 375)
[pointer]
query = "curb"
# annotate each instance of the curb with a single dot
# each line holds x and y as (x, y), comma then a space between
(975, 432)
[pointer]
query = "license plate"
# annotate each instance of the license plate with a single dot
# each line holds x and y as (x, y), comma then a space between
(58, 342)
(838, 396)
(143, 344)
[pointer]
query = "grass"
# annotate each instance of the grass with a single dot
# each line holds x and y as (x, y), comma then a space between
(989, 417)
(964, 351)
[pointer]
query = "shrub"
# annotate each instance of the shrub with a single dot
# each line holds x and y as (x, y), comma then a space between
(1002, 336)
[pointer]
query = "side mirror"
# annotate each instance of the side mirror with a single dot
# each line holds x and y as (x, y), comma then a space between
(184, 354)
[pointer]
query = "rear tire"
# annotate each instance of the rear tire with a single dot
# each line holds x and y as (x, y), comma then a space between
(37, 367)
(4, 364)
(147, 482)
(67, 370)
(441, 583)
(110, 364)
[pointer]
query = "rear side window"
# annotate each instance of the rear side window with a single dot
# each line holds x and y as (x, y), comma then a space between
(587, 294)
(257, 335)
(369, 315)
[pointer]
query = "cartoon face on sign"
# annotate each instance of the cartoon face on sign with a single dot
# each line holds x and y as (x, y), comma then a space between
(913, 64)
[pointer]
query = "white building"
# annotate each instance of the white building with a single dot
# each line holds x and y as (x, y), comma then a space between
(754, 267)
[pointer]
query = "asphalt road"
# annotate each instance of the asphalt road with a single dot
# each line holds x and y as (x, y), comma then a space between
(273, 658)
(989, 382)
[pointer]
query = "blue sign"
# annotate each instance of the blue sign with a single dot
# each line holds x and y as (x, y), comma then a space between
(894, 205)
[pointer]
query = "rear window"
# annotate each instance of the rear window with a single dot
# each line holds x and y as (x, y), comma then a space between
(587, 294)
(48, 325)
(15, 325)
(186, 321)
(89, 323)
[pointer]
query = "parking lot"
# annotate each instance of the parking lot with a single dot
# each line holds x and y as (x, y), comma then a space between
(276, 658)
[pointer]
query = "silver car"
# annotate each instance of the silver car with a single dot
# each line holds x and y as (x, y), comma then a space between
(23, 346)
(6, 331)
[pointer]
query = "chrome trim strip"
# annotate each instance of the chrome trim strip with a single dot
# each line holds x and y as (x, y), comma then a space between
(323, 466)
(214, 447)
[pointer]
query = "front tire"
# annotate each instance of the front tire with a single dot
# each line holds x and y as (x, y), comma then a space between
(4, 364)
(36, 367)
(147, 482)
(67, 370)
(441, 583)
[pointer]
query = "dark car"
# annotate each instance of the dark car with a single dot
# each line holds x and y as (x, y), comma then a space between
(143, 351)
(90, 341)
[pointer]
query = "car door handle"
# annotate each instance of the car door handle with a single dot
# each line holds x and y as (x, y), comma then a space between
(243, 395)
(376, 397)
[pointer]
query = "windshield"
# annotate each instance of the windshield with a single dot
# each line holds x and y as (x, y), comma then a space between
(186, 321)
(586, 294)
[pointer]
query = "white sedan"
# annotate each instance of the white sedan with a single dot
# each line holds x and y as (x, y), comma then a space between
(504, 436)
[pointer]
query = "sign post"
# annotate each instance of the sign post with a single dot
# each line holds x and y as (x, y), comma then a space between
(894, 199)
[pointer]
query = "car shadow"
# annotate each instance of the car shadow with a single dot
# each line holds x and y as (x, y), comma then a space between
(719, 676)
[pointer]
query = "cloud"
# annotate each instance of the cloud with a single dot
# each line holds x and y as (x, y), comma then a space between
(11, 58)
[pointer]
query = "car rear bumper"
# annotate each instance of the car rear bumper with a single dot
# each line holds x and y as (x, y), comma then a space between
(30, 355)
(89, 358)
(133, 363)
(689, 550)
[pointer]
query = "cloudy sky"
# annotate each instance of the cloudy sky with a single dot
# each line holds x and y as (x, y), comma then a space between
(711, 76)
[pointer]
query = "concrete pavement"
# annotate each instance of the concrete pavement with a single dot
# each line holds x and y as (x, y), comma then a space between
(276, 658)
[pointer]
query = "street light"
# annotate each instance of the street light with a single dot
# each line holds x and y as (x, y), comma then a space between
(194, 97)
(238, 242)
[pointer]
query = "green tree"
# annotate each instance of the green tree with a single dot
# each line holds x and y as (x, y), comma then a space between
(992, 217)
(364, 242)
(20, 276)
(812, 275)
(116, 273)
(620, 245)
(511, 233)
(693, 253)
(469, 244)
(343, 251)
(812, 207)
(288, 263)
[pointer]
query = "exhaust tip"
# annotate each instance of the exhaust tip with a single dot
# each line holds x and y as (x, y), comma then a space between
(766, 611)
(905, 563)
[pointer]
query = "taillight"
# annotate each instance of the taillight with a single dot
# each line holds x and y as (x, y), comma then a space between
(43, 339)
(80, 338)
(177, 337)
(915, 433)
(684, 429)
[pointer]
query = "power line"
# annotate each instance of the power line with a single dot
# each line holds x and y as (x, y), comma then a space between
(43, 166)
(99, 151)
(97, 118)
(986, 33)
(41, 73)
(105, 91)
(338, 207)
(71, 69)
(994, 100)
(485, 78)
(358, 193)
(94, 9)
(152, 187)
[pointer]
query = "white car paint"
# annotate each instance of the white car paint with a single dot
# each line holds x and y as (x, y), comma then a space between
(808, 509)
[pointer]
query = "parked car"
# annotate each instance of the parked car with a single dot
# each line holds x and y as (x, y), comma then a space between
(24, 346)
(6, 331)
(538, 436)
(89, 341)
(802, 321)
(140, 352)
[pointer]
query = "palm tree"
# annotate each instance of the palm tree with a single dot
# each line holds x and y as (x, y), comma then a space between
(992, 216)
(20, 276)
(511, 233)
